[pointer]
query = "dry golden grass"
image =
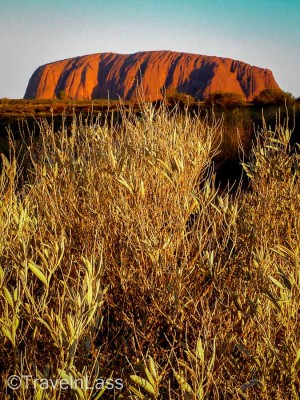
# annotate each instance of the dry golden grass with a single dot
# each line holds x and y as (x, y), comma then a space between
(104, 273)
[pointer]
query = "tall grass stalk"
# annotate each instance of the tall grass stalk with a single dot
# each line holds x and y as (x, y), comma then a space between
(120, 258)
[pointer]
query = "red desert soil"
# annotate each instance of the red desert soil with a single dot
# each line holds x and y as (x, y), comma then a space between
(97, 75)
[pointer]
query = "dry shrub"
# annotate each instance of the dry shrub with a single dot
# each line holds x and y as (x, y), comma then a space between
(120, 257)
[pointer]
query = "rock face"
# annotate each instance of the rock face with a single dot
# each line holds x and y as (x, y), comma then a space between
(147, 74)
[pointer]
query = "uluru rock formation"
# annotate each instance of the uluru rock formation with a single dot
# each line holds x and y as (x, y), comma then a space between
(151, 72)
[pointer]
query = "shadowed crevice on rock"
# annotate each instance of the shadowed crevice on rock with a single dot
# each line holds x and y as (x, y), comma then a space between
(198, 80)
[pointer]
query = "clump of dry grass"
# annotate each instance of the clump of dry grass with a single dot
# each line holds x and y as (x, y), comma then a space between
(104, 273)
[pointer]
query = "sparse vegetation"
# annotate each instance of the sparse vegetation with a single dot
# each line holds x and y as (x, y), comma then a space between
(225, 100)
(273, 97)
(173, 98)
(120, 258)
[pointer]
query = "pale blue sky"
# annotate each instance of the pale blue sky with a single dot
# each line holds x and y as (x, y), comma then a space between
(265, 33)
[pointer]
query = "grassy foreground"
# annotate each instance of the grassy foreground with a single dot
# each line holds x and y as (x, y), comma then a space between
(121, 260)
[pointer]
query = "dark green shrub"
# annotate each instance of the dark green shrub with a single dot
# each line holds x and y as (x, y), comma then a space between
(182, 99)
(225, 100)
(62, 95)
(273, 96)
